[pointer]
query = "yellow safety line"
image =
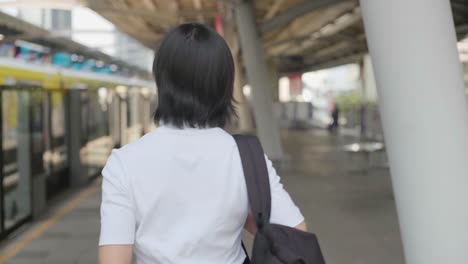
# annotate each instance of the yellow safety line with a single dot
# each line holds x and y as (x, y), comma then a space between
(37, 231)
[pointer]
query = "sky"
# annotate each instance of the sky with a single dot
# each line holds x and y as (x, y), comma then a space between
(93, 30)
(339, 78)
(10, 11)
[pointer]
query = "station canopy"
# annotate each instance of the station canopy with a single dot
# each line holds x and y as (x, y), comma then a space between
(298, 35)
(12, 29)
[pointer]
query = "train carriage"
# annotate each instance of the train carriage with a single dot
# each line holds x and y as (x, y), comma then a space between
(40, 104)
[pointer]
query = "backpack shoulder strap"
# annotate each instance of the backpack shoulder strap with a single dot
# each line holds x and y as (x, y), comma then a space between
(256, 177)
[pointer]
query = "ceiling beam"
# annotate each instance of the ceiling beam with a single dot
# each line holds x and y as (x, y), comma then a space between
(294, 12)
(347, 59)
(273, 10)
(23, 36)
(463, 8)
(149, 4)
(298, 44)
(349, 55)
(197, 4)
(337, 54)
(461, 30)
(152, 15)
(315, 36)
(358, 43)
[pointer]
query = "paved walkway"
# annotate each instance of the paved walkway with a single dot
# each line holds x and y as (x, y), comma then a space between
(67, 235)
(352, 212)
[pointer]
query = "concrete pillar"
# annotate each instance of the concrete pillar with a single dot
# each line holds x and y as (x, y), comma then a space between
(244, 120)
(425, 120)
(259, 79)
(242, 107)
(370, 89)
(274, 77)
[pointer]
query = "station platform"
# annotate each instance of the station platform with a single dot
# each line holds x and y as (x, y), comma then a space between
(352, 211)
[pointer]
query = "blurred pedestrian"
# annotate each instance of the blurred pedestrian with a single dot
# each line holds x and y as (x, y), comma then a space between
(335, 115)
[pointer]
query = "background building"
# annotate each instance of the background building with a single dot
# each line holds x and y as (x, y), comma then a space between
(88, 28)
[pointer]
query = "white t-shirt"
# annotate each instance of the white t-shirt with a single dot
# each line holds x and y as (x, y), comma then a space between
(179, 196)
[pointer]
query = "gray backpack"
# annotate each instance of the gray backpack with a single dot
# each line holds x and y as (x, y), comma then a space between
(273, 243)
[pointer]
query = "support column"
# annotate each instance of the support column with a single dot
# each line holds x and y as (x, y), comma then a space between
(243, 108)
(425, 120)
(369, 80)
(274, 77)
(244, 119)
(259, 80)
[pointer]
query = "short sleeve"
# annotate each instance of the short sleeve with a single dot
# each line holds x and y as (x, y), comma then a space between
(283, 209)
(117, 209)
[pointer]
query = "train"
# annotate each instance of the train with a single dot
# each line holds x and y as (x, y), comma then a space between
(43, 107)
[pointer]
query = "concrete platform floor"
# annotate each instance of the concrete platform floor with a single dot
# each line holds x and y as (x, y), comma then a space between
(352, 212)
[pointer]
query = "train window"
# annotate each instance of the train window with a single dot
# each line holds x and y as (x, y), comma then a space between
(132, 109)
(153, 104)
(84, 118)
(129, 111)
(56, 154)
(135, 125)
(16, 157)
(59, 146)
(114, 117)
(38, 133)
(47, 156)
(96, 121)
(98, 144)
(145, 110)
(103, 100)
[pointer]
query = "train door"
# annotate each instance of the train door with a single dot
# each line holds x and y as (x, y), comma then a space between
(39, 144)
(135, 117)
(124, 113)
(96, 143)
(85, 130)
(153, 104)
(114, 117)
(145, 113)
(15, 187)
(56, 156)
(146, 110)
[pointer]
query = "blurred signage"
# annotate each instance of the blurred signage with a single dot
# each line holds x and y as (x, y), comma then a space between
(295, 83)
(61, 59)
(218, 24)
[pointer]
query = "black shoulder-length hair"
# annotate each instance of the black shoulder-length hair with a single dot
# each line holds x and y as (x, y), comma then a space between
(194, 73)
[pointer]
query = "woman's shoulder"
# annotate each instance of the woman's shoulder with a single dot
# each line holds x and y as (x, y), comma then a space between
(163, 139)
(121, 159)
